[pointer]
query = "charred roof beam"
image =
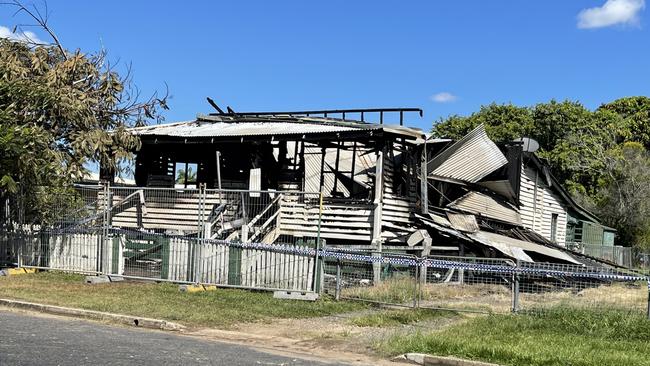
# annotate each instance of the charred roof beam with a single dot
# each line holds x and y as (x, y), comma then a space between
(326, 113)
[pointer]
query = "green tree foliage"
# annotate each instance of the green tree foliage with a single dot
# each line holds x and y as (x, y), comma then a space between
(502, 123)
(61, 109)
(636, 113)
(601, 156)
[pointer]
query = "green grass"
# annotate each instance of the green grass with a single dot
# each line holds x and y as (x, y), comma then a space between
(392, 318)
(222, 308)
(559, 336)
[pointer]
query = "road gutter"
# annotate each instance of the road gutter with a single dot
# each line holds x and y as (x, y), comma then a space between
(95, 315)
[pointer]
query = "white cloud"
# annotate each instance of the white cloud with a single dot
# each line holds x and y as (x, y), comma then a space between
(28, 36)
(444, 97)
(611, 13)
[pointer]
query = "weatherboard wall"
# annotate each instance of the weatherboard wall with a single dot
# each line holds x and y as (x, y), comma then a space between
(539, 204)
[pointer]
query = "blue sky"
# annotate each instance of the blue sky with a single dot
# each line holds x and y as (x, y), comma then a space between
(283, 55)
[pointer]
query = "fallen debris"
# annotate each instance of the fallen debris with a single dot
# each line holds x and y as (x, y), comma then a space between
(196, 288)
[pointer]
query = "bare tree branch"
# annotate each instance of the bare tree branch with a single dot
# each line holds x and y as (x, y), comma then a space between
(41, 22)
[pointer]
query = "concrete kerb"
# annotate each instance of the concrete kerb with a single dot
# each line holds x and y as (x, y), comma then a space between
(429, 360)
(95, 315)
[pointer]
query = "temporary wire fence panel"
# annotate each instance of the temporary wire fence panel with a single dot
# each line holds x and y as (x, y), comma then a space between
(27, 249)
(466, 283)
(642, 262)
(544, 285)
(9, 243)
(238, 238)
(163, 210)
(372, 276)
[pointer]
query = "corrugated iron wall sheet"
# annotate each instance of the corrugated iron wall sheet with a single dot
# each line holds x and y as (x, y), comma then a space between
(469, 159)
(487, 206)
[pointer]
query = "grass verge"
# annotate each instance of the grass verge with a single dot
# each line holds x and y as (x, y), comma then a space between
(222, 308)
(392, 318)
(558, 336)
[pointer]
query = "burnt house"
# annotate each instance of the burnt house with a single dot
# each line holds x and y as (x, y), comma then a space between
(385, 187)
(367, 172)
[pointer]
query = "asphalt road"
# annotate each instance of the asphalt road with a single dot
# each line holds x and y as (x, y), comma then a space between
(34, 340)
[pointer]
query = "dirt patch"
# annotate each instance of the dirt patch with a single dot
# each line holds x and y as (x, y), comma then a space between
(337, 333)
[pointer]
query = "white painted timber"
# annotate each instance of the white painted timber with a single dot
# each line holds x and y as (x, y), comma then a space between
(538, 204)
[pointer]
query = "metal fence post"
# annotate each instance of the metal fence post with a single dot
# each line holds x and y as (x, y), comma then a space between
(337, 293)
(648, 314)
(319, 268)
(103, 237)
(320, 243)
(20, 256)
(198, 244)
(515, 289)
(422, 277)
(417, 282)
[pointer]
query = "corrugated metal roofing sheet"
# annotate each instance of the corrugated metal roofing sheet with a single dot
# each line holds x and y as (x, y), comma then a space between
(515, 248)
(226, 129)
(469, 159)
(211, 126)
(442, 225)
(501, 187)
(483, 205)
(463, 222)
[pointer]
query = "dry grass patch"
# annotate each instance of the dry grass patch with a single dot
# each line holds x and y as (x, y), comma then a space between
(396, 290)
(626, 296)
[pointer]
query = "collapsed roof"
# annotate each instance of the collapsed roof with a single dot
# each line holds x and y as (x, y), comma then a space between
(484, 204)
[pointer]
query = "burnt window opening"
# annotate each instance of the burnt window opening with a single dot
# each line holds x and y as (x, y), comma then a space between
(185, 175)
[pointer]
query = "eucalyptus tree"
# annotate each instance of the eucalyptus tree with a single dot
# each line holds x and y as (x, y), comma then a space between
(62, 108)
